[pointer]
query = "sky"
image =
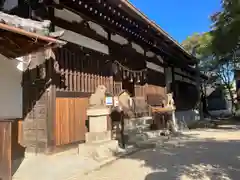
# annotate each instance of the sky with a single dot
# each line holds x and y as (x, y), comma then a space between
(179, 18)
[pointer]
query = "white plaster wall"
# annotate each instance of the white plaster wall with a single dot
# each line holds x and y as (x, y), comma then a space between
(10, 89)
(10, 4)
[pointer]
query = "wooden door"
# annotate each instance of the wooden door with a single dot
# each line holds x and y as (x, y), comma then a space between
(71, 114)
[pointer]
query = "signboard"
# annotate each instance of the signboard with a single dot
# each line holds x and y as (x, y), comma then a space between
(109, 101)
(116, 102)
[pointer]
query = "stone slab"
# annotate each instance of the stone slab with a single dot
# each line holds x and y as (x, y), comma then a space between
(98, 123)
(99, 151)
(98, 111)
(94, 137)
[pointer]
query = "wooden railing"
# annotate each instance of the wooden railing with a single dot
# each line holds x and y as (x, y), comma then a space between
(84, 82)
(77, 73)
(117, 88)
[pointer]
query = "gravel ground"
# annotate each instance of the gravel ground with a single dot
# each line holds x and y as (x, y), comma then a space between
(205, 154)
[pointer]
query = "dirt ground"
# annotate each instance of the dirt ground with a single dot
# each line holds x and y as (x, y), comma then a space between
(201, 154)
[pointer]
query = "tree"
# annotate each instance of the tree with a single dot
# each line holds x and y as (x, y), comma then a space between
(218, 70)
(226, 28)
(200, 42)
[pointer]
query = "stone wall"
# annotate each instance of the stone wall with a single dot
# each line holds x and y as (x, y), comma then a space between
(186, 117)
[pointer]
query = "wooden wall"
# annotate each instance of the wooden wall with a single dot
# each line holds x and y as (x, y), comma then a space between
(155, 94)
(74, 69)
(70, 120)
(5, 151)
(155, 89)
(140, 90)
(186, 96)
(78, 73)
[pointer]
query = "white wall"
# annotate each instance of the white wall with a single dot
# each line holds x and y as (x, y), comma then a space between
(10, 89)
(10, 4)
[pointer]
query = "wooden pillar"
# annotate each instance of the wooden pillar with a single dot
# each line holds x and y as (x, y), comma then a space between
(51, 106)
(5, 150)
(173, 82)
(51, 117)
(169, 75)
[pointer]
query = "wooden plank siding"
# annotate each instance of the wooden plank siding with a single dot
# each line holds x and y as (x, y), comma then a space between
(5, 151)
(70, 120)
(79, 72)
(20, 131)
(153, 89)
(139, 90)
(155, 94)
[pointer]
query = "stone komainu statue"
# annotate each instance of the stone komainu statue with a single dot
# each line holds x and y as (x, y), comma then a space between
(98, 98)
(170, 101)
(124, 99)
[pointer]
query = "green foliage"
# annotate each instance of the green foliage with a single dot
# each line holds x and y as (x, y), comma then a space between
(201, 43)
(217, 69)
(226, 28)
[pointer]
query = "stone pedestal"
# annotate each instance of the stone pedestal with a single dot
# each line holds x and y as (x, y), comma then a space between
(99, 144)
(98, 121)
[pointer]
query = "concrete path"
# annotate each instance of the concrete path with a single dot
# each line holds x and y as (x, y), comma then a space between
(61, 166)
(205, 154)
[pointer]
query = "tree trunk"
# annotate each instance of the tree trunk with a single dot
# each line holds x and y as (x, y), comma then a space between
(231, 96)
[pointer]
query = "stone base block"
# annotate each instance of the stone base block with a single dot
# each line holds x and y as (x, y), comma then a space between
(95, 137)
(93, 112)
(97, 123)
(99, 151)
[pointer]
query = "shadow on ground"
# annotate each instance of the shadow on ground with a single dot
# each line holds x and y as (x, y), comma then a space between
(188, 158)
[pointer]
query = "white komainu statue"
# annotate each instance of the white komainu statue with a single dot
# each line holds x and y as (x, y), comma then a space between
(126, 104)
(170, 101)
(98, 98)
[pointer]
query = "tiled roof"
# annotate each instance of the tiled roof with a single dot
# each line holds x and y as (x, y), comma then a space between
(19, 36)
(29, 25)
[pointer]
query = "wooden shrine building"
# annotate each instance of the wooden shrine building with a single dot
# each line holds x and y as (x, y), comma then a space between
(108, 42)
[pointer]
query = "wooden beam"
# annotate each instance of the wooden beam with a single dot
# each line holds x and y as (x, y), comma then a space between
(84, 41)
(155, 67)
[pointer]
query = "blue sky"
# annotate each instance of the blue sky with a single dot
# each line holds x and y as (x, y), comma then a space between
(179, 18)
